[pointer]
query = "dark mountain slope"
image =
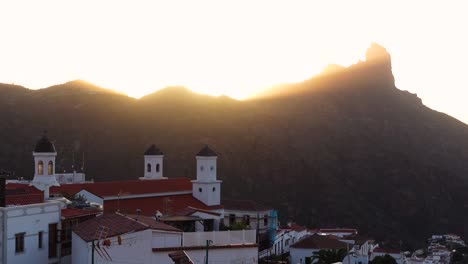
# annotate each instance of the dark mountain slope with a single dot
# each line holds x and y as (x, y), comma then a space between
(345, 148)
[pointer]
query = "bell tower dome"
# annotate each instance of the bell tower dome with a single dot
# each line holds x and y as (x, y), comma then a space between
(206, 187)
(153, 164)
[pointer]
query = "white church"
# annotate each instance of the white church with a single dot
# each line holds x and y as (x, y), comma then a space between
(175, 216)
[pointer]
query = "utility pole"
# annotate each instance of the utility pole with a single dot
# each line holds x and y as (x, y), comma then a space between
(92, 252)
(207, 246)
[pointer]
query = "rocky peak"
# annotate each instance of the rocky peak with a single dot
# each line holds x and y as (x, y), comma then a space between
(378, 54)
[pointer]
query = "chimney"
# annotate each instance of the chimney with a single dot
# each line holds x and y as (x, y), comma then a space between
(2, 191)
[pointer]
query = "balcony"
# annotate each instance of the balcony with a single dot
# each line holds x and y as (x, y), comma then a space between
(219, 238)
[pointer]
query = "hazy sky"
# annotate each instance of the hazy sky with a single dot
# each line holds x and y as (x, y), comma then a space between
(233, 47)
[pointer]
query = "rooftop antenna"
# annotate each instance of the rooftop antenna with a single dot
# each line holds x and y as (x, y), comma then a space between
(82, 162)
(73, 161)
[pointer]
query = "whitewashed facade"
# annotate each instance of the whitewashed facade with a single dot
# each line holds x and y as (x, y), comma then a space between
(25, 233)
(154, 246)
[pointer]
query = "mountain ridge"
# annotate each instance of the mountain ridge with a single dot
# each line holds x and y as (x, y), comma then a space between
(343, 149)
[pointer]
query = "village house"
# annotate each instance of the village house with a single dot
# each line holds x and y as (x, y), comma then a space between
(36, 228)
(304, 249)
(394, 253)
(119, 238)
(253, 216)
(190, 210)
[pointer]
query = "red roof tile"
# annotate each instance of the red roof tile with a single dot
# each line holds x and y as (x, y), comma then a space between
(153, 223)
(243, 205)
(68, 213)
(294, 227)
(180, 257)
(22, 194)
(114, 188)
(167, 205)
(24, 199)
(319, 242)
(191, 210)
(117, 224)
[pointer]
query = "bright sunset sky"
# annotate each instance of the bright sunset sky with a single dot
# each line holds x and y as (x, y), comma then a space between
(233, 47)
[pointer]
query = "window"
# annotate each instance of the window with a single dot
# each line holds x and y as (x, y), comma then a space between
(246, 219)
(40, 167)
(148, 167)
(201, 168)
(211, 168)
(50, 168)
(53, 240)
(265, 220)
(157, 167)
(39, 239)
(214, 189)
(19, 243)
(200, 189)
(232, 219)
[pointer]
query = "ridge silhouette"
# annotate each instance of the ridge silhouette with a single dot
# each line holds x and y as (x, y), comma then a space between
(345, 148)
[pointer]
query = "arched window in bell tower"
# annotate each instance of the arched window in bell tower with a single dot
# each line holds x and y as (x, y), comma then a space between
(40, 167)
(148, 167)
(50, 168)
(157, 167)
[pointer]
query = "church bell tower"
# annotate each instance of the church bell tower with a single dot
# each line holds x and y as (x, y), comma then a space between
(206, 187)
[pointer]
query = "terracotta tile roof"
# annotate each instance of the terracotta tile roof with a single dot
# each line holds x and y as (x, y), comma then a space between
(114, 188)
(294, 227)
(386, 251)
(191, 210)
(117, 224)
(68, 213)
(180, 257)
(22, 194)
(24, 199)
(319, 242)
(167, 205)
(244, 205)
(358, 239)
(153, 223)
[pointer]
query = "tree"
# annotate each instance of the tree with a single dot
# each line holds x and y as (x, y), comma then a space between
(387, 259)
(328, 256)
(238, 226)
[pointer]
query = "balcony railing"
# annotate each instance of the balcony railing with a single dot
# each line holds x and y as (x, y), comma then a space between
(219, 238)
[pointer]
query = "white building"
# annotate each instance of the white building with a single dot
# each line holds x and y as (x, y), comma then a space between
(306, 247)
(70, 178)
(252, 216)
(338, 232)
(30, 233)
(192, 207)
(286, 236)
(120, 238)
(360, 249)
(30, 220)
(394, 253)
